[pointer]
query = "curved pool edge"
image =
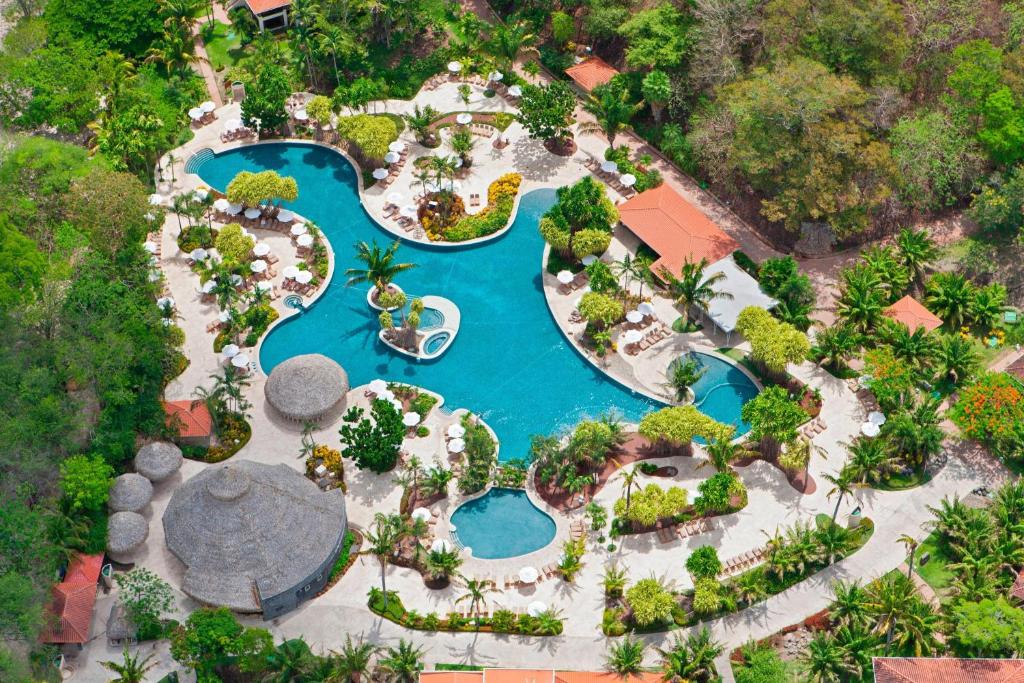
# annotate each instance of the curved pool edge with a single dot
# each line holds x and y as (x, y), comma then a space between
(490, 489)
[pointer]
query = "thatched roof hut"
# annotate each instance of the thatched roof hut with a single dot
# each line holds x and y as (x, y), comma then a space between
(306, 387)
(158, 460)
(126, 531)
(254, 537)
(130, 493)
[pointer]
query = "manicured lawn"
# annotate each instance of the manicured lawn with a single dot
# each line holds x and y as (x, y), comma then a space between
(935, 573)
(901, 482)
(225, 47)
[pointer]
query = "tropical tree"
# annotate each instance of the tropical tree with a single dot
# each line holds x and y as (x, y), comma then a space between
(419, 123)
(862, 299)
(628, 479)
(987, 305)
(383, 539)
(956, 358)
(773, 418)
(914, 433)
(918, 347)
(476, 594)
(287, 662)
(402, 664)
(869, 460)
(849, 604)
(379, 267)
(612, 109)
(949, 296)
(626, 658)
(835, 343)
(657, 90)
(824, 660)
(910, 544)
(916, 251)
(842, 486)
(130, 669)
(546, 111)
(352, 663)
(693, 287)
(693, 658)
(721, 452)
(508, 41)
(174, 50)
(901, 615)
(683, 373)
(442, 564)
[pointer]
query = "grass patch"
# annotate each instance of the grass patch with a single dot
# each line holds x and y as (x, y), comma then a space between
(935, 572)
(690, 326)
(224, 46)
(457, 667)
(902, 482)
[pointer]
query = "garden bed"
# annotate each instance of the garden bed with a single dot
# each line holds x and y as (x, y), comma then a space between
(503, 621)
(233, 432)
(346, 558)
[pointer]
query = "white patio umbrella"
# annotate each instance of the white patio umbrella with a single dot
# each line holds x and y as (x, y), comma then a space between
(411, 419)
(301, 115)
(380, 173)
(515, 91)
(165, 301)
(234, 209)
(627, 179)
(441, 545)
(632, 336)
(564, 276)
(588, 259)
(252, 213)
(396, 404)
(154, 276)
(298, 229)
(195, 113)
(230, 351)
(304, 277)
(377, 386)
(198, 254)
(455, 67)
(397, 146)
(431, 187)
(870, 429)
(456, 446)
(232, 125)
(528, 574)
(646, 308)
(208, 106)
(456, 431)
(609, 166)
(264, 286)
(535, 608)
(422, 514)
(258, 266)
(634, 316)
(395, 197)
(290, 272)
(221, 204)
(208, 286)
(304, 240)
(875, 417)
(392, 157)
(224, 316)
(464, 119)
(285, 216)
(386, 394)
(261, 249)
(235, 279)
(240, 360)
(200, 194)
(156, 199)
(495, 76)
(409, 211)
(150, 247)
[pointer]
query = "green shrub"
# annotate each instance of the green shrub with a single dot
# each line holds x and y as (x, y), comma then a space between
(706, 596)
(422, 404)
(502, 120)
(745, 262)
(703, 563)
(762, 664)
(370, 134)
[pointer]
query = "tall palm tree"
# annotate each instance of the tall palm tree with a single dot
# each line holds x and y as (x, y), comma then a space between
(862, 299)
(721, 452)
(476, 593)
(352, 663)
(626, 269)
(842, 486)
(884, 262)
(858, 647)
(910, 544)
(287, 663)
(849, 604)
(824, 660)
(917, 348)
(612, 109)
(987, 305)
(175, 50)
(508, 41)
(869, 460)
(915, 434)
(916, 251)
(379, 268)
(693, 288)
(387, 531)
(898, 614)
(949, 296)
(693, 658)
(402, 664)
(628, 479)
(956, 358)
(419, 123)
(131, 669)
(626, 658)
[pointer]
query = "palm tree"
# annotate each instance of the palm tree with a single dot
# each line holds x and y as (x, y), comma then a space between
(987, 305)
(917, 348)
(683, 373)
(692, 658)
(419, 123)
(175, 50)
(915, 434)
(862, 299)
(132, 669)
(402, 664)
(956, 358)
(949, 296)
(379, 268)
(869, 460)
(910, 544)
(388, 530)
(628, 479)
(692, 288)
(898, 614)
(824, 660)
(508, 41)
(858, 647)
(796, 313)
(353, 662)
(626, 268)
(442, 564)
(612, 109)
(916, 251)
(626, 658)
(614, 581)
(849, 604)
(750, 587)
(721, 452)
(884, 263)
(435, 481)
(476, 594)
(462, 144)
(287, 662)
(842, 486)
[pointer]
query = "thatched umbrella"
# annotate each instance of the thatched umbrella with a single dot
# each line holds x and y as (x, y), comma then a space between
(306, 387)
(126, 531)
(130, 493)
(158, 460)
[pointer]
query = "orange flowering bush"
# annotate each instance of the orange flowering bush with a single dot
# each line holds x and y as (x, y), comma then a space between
(990, 409)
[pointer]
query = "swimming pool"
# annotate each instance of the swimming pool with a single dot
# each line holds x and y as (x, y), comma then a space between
(502, 523)
(431, 319)
(511, 365)
(722, 390)
(435, 342)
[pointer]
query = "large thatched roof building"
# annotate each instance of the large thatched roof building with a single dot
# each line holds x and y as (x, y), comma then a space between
(254, 537)
(306, 387)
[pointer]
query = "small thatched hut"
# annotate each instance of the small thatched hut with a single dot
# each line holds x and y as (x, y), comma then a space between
(158, 461)
(126, 532)
(254, 537)
(304, 388)
(130, 493)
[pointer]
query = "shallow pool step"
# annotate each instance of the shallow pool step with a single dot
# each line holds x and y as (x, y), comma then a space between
(198, 159)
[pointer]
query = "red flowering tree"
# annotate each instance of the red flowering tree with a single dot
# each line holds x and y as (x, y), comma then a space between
(990, 410)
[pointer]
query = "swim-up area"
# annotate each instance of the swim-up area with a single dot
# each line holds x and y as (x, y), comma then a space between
(509, 363)
(502, 523)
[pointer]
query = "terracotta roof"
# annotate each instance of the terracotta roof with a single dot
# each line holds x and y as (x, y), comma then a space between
(947, 670)
(1017, 590)
(534, 676)
(913, 314)
(591, 72)
(1016, 368)
(519, 676)
(674, 228)
(191, 419)
(451, 677)
(605, 677)
(69, 614)
(261, 6)
(84, 569)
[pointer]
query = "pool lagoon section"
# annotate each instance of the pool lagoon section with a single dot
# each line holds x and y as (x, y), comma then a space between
(510, 364)
(502, 523)
(722, 390)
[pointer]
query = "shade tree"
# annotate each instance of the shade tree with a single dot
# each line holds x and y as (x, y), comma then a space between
(773, 343)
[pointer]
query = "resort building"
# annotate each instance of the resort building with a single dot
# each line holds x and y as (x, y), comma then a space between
(254, 537)
(305, 388)
(269, 14)
(68, 617)
(191, 420)
(913, 314)
(679, 232)
(947, 670)
(591, 72)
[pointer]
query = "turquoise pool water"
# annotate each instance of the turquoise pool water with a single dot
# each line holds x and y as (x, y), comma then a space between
(431, 319)
(510, 363)
(722, 390)
(435, 342)
(502, 523)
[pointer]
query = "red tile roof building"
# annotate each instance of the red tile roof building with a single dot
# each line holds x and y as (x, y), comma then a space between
(947, 670)
(261, 6)
(534, 676)
(675, 229)
(1016, 368)
(192, 420)
(69, 614)
(913, 314)
(591, 72)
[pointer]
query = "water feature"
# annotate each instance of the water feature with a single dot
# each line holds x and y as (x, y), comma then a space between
(502, 523)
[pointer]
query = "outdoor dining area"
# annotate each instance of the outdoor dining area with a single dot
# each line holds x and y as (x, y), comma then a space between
(234, 130)
(398, 153)
(202, 115)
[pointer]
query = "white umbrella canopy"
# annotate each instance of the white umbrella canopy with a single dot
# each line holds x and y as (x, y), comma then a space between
(588, 259)
(875, 417)
(154, 276)
(528, 574)
(230, 351)
(634, 316)
(632, 336)
(261, 249)
(409, 211)
(386, 394)
(235, 279)
(232, 124)
(456, 446)
(258, 266)
(285, 216)
(455, 67)
(150, 247)
(199, 254)
(200, 194)
(422, 514)
(234, 209)
(456, 431)
(411, 419)
(392, 157)
(441, 545)
(221, 204)
(627, 179)
(208, 286)
(208, 106)
(301, 115)
(195, 113)
(564, 276)
(395, 197)
(397, 146)
(396, 404)
(870, 429)
(290, 272)
(264, 286)
(224, 316)
(464, 119)
(515, 91)
(240, 360)
(646, 308)
(536, 608)
(252, 214)
(380, 173)
(495, 76)
(304, 277)
(609, 166)
(156, 199)
(299, 229)
(304, 240)
(165, 302)
(377, 386)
